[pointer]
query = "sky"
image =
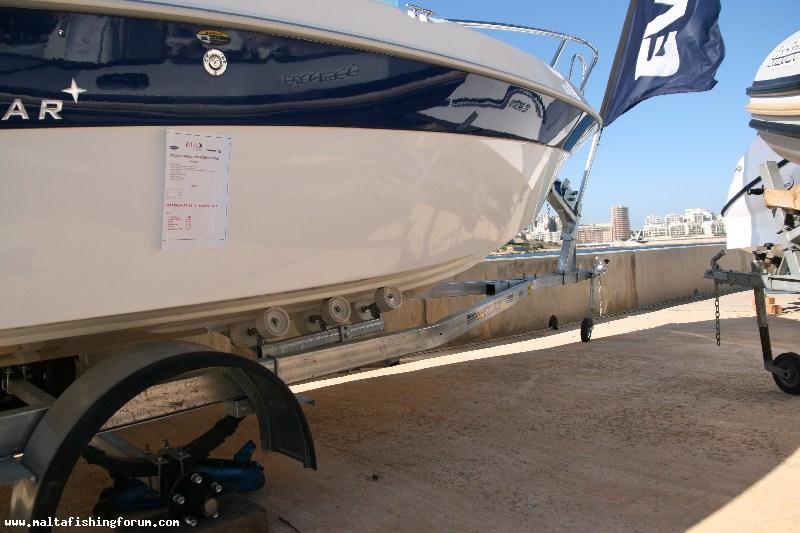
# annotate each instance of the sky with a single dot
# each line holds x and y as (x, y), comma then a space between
(669, 152)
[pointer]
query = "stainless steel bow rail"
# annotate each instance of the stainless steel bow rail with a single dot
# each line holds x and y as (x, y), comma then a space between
(767, 276)
(563, 39)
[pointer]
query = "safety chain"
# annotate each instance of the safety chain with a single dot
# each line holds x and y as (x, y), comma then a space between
(716, 311)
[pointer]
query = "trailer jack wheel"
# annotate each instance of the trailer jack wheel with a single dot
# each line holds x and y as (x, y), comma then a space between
(587, 325)
(789, 380)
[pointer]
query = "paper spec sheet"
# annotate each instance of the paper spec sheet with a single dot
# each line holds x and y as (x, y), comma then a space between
(196, 179)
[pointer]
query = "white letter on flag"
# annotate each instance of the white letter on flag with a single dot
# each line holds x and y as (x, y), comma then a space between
(668, 62)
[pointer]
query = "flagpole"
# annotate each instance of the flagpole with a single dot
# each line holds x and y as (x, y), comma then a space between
(614, 74)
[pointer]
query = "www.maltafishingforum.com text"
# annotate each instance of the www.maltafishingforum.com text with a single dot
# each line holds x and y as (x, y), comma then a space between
(76, 521)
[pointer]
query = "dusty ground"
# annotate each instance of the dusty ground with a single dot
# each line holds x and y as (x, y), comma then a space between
(650, 427)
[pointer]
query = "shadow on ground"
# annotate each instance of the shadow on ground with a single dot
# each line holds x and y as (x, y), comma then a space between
(652, 430)
(646, 431)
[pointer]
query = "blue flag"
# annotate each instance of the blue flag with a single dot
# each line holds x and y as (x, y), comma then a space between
(667, 46)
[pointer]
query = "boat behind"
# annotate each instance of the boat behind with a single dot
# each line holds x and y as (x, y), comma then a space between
(775, 99)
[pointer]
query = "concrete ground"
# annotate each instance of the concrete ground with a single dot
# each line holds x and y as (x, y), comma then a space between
(649, 427)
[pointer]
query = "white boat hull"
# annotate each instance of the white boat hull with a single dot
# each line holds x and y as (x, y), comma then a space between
(313, 212)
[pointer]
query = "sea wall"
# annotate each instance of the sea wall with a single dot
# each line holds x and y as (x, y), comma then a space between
(635, 278)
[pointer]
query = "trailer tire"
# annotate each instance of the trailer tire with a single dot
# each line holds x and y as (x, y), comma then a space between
(587, 326)
(790, 363)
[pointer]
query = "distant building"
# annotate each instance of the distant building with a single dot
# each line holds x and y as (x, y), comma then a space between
(694, 222)
(591, 233)
(544, 228)
(654, 231)
(620, 223)
(541, 219)
(698, 215)
(542, 234)
(677, 229)
(714, 228)
(694, 228)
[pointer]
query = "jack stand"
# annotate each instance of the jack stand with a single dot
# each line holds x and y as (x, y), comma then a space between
(785, 368)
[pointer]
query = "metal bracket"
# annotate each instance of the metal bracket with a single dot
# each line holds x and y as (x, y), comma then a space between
(570, 213)
(28, 392)
(449, 289)
(754, 280)
(788, 232)
(304, 343)
(240, 408)
(111, 442)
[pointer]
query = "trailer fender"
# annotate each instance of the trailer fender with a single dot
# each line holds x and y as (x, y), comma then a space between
(79, 413)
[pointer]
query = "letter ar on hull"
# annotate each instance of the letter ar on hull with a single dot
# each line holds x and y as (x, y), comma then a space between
(48, 109)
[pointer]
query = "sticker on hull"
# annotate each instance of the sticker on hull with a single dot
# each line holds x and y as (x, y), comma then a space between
(196, 177)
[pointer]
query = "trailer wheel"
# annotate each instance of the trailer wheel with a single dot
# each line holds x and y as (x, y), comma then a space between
(586, 329)
(789, 382)
(63, 433)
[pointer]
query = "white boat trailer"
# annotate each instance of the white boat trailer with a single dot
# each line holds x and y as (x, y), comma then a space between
(57, 417)
(766, 276)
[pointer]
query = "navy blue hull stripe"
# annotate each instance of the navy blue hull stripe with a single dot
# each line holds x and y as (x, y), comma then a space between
(140, 72)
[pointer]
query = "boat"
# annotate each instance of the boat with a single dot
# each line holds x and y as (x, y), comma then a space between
(749, 224)
(775, 99)
(184, 165)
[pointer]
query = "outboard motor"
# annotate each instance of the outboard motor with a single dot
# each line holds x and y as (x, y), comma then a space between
(775, 99)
